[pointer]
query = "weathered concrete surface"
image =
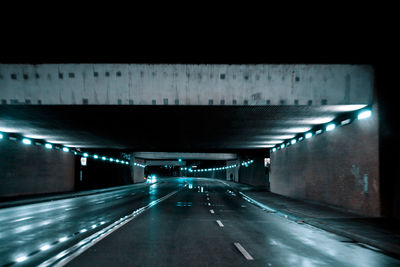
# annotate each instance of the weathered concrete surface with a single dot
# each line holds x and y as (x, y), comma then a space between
(184, 155)
(339, 168)
(31, 169)
(163, 84)
(164, 162)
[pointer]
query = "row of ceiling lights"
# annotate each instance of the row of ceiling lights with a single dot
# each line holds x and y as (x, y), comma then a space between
(244, 163)
(363, 114)
(29, 141)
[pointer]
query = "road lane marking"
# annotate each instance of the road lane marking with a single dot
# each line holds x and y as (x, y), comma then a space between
(71, 253)
(212, 211)
(243, 251)
(22, 219)
(220, 223)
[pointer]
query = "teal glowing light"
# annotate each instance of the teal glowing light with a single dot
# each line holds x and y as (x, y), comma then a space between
(48, 146)
(308, 135)
(364, 114)
(330, 127)
(27, 141)
(65, 149)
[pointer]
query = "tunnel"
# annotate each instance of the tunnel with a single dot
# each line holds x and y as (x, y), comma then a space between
(139, 164)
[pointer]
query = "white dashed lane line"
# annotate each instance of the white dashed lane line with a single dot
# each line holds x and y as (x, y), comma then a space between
(243, 251)
(220, 223)
(212, 211)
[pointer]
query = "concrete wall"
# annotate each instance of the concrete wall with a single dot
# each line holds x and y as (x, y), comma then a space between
(31, 169)
(137, 171)
(163, 84)
(339, 168)
(254, 174)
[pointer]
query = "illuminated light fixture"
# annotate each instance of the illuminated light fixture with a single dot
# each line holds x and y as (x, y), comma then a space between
(117, 160)
(111, 159)
(293, 141)
(301, 138)
(103, 158)
(94, 226)
(126, 163)
(345, 122)
(318, 131)
(65, 149)
(330, 127)
(283, 145)
(95, 156)
(48, 146)
(1, 136)
(27, 141)
(85, 155)
(21, 259)
(83, 230)
(308, 135)
(45, 247)
(180, 160)
(83, 161)
(364, 114)
(62, 239)
(274, 149)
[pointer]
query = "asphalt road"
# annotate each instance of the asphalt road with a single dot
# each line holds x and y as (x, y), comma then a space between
(176, 222)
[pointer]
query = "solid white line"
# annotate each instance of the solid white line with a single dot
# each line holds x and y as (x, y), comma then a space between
(243, 251)
(220, 223)
(69, 254)
(212, 211)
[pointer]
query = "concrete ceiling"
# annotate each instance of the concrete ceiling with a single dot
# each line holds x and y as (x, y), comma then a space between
(166, 128)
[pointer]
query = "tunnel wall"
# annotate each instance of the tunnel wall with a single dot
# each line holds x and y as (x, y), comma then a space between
(254, 174)
(232, 174)
(339, 168)
(100, 174)
(31, 169)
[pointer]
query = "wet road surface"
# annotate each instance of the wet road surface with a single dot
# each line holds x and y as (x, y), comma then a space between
(176, 222)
